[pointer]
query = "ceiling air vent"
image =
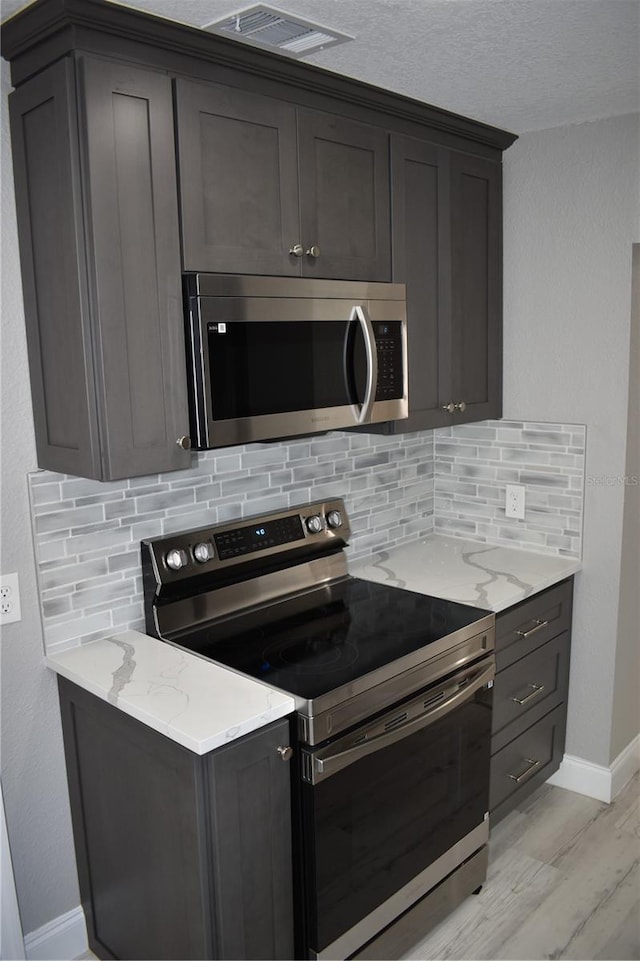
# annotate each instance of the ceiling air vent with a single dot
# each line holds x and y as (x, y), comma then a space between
(277, 30)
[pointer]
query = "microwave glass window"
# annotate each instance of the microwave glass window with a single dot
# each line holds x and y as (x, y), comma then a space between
(259, 368)
(272, 367)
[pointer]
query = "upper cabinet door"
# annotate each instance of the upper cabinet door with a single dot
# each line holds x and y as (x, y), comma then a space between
(421, 237)
(135, 279)
(98, 214)
(476, 275)
(238, 180)
(344, 198)
(44, 125)
(446, 215)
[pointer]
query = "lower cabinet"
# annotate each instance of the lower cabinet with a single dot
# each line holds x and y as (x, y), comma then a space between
(179, 855)
(533, 642)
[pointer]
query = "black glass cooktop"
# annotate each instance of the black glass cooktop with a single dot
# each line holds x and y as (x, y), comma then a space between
(317, 642)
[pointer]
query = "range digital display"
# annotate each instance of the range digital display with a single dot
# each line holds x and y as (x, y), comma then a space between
(257, 537)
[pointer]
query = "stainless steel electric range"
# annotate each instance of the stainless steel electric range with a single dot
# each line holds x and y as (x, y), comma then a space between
(393, 694)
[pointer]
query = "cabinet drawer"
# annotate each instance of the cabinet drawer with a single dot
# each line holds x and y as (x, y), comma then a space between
(526, 762)
(529, 688)
(526, 626)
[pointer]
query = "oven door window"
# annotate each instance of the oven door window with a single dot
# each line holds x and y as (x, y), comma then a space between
(377, 823)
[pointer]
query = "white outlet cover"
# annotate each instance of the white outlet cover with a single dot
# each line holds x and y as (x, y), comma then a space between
(10, 610)
(514, 501)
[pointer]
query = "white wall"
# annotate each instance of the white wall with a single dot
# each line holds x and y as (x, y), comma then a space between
(626, 707)
(33, 773)
(571, 211)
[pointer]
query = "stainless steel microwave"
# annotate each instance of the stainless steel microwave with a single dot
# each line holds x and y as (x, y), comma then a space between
(272, 357)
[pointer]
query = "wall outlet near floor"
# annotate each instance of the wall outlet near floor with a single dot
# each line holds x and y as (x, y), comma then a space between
(9, 599)
(514, 501)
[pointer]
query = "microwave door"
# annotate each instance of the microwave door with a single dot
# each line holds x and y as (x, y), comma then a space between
(360, 323)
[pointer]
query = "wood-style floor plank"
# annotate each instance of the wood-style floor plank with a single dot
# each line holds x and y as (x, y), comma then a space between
(563, 883)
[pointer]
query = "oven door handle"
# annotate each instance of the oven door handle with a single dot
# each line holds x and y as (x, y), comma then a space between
(324, 767)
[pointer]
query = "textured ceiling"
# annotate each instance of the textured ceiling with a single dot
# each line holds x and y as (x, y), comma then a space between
(518, 64)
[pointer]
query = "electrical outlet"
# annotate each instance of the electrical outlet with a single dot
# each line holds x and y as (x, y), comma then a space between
(514, 501)
(9, 599)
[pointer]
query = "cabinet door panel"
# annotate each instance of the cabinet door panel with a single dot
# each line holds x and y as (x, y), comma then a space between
(476, 287)
(344, 197)
(136, 806)
(251, 806)
(133, 224)
(238, 180)
(48, 198)
(420, 205)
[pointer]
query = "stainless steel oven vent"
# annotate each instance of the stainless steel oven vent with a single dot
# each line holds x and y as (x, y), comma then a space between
(277, 30)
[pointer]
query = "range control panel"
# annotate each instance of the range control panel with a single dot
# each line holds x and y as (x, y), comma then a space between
(183, 555)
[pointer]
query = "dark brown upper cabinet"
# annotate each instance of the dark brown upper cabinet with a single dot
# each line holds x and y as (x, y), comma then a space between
(133, 135)
(97, 211)
(270, 188)
(446, 227)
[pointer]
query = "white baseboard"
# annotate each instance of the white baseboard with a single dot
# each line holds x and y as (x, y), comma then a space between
(625, 766)
(601, 783)
(62, 939)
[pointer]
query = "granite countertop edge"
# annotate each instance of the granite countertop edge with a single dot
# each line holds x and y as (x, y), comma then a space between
(194, 702)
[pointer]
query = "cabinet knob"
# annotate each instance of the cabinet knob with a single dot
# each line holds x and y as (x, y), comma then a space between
(184, 442)
(449, 407)
(461, 407)
(313, 251)
(286, 753)
(297, 250)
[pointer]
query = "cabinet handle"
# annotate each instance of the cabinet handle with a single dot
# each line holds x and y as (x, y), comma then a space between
(539, 625)
(313, 251)
(461, 407)
(519, 778)
(184, 442)
(536, 689)
(297, 250)
(449, 407)
(286, 753)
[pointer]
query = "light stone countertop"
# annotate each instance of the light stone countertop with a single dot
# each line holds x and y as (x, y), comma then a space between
(483, 575)
(191, 700)
(203, 706)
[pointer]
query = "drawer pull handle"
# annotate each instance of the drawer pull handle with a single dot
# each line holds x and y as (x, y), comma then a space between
(539, 625)
(533, 766)
(536, 689)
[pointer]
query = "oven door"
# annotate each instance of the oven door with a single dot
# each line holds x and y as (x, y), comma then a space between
(392, 808)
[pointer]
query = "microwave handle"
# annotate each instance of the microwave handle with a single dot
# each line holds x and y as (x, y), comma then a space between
(360, 314)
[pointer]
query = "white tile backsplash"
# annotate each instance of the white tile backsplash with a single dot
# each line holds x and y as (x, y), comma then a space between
(87, 534)
(473, 464)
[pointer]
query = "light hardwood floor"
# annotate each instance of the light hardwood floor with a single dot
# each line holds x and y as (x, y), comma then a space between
(563, 882)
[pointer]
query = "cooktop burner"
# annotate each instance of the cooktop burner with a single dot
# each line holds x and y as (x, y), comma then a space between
(343, 632)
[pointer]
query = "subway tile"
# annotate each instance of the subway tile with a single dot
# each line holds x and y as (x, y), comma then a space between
(124, 561)
(65, 519)
(376, 459)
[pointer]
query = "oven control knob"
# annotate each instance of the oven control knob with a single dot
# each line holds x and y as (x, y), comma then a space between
(203, 552)
(176, 559)
(314, 524)
(334, 519)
